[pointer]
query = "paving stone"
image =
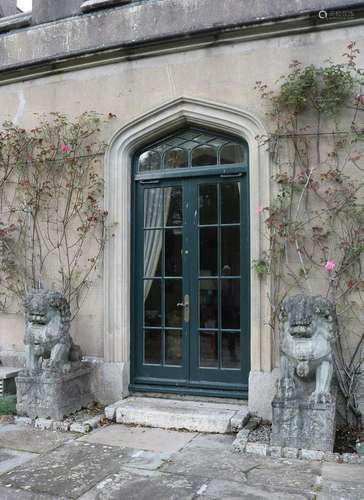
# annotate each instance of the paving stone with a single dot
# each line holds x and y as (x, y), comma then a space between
(213, 441)
(24, 437)
(13, 494)
(69, 470)
(144, 438)
(219, 489)
(291, 476)
(343, 490)
(210, 461)
(343, 472)
(11, 458)
(144, 485)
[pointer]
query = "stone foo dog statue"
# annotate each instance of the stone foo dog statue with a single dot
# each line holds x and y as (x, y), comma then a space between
(308, 330)
(48, 344)
(55, 382)
(304, 407)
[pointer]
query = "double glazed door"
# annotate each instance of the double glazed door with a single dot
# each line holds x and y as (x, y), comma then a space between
(191, 301)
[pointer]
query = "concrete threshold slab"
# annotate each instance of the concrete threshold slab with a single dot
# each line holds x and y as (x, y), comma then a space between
(196, 416)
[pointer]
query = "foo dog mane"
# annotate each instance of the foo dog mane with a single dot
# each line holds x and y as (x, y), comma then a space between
(299, 315)
(38, 302)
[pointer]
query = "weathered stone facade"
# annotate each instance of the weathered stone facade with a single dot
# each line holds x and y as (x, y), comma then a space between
(158, 65)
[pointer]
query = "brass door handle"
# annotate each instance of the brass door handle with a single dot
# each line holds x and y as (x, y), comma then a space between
(186, 311)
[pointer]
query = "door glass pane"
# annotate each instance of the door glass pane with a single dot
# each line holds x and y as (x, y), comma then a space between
(176, 158)
(153, 240)
(173, 296)
(152, 303)
(174, 206)
(150, 160)
(230, 202)
(230, 303)
(208, 303)
(153, 347)
(230, 350)
(208, 251)
(204, 155)
(153, 207)
(208, 204)
(173, 346)
(232, 153)
(173, 255)
(209, 354)
(230, 251)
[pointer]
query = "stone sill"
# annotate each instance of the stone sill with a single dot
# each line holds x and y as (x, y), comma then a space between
(15, 22)
(91, 5)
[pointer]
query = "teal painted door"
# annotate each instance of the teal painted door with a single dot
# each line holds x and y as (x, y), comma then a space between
(191, 285)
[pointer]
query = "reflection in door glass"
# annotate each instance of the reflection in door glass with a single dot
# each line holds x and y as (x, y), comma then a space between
(208, 303)
(208, 204)
(230, 303)
(230, 251)
(173, 297)
(153, 347)
(173, 252)
(230, 202)
(209, 357)
(208, 251)
(173, 347)
(230, 350)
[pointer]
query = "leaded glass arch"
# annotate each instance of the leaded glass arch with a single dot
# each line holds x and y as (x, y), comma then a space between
(192, 148)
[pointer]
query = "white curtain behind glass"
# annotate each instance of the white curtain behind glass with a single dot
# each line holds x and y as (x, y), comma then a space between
(153, 240)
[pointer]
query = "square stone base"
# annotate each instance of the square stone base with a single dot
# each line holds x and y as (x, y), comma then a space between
(302, 424)
(53, 395)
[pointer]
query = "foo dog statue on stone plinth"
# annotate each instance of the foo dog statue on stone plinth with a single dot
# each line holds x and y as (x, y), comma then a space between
(305, 402)
(55, 382)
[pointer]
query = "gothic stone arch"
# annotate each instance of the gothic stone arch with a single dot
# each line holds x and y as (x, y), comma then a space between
(118, 170)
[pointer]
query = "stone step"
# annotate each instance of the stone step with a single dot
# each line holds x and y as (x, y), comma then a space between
(196, 416)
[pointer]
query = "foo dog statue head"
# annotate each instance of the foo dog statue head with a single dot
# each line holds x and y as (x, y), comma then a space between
(47, 339)
(307, 330)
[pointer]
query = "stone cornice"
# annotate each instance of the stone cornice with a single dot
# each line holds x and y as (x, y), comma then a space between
(142, 29)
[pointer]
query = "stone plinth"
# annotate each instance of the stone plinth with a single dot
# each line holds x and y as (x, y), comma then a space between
(51, 394)
(303, 424)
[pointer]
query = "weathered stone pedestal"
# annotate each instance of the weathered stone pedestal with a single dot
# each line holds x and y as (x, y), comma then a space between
(303, 424)
(53, 394)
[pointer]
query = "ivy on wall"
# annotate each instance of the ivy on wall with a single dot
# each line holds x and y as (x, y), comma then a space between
(315, 221)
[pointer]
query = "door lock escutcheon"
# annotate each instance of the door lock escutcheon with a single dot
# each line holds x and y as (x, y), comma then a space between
(186, 308)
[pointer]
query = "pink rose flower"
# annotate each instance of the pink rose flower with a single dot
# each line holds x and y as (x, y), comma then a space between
(259, 210)
(64, 148)
(330, 265)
